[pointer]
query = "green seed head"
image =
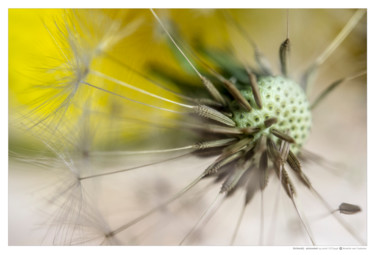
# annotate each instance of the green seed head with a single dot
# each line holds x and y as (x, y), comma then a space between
(281, 98)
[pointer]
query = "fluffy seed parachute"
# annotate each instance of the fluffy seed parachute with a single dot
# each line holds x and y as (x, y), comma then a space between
(233, 121)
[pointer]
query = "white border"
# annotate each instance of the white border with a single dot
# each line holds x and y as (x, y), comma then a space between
(187, 4)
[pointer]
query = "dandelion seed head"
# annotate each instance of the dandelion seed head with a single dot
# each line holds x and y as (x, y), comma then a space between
(232, 123)
(282, 98)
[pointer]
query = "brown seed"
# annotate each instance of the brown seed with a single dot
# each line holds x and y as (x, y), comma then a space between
(296, 167)
(213, 91)
(282, 136)
(272, 150)
(346, 208)
(232, 89)
(284, 49)
(214, 167)
(286, 182)
(211, 128)
(215, 143)
(250, 130)
(240, 145)
(269, 122)
(255, 89)
(210, 113)
(233, 179)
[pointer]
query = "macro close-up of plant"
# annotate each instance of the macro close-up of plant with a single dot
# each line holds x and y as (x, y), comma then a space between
(187, 127)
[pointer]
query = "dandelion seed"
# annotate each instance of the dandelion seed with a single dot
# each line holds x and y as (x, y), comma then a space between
(233, 122)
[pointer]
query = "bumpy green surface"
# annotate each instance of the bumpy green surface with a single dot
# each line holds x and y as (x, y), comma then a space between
(281, 98)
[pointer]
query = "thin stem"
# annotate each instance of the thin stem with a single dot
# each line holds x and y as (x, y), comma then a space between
(147, 78)
(259, 57)
(206, 82)
(131, 168)
(261, 217)
(331, 87)
(126, 98)
(275, 212)
(238, 224)
(195, 146)
(175, 44)
(209, 211)
(122, 153)
(138, 219)
(287, 23)
(341, 36)
(303, 222)
(350, 25)
(124, 84)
